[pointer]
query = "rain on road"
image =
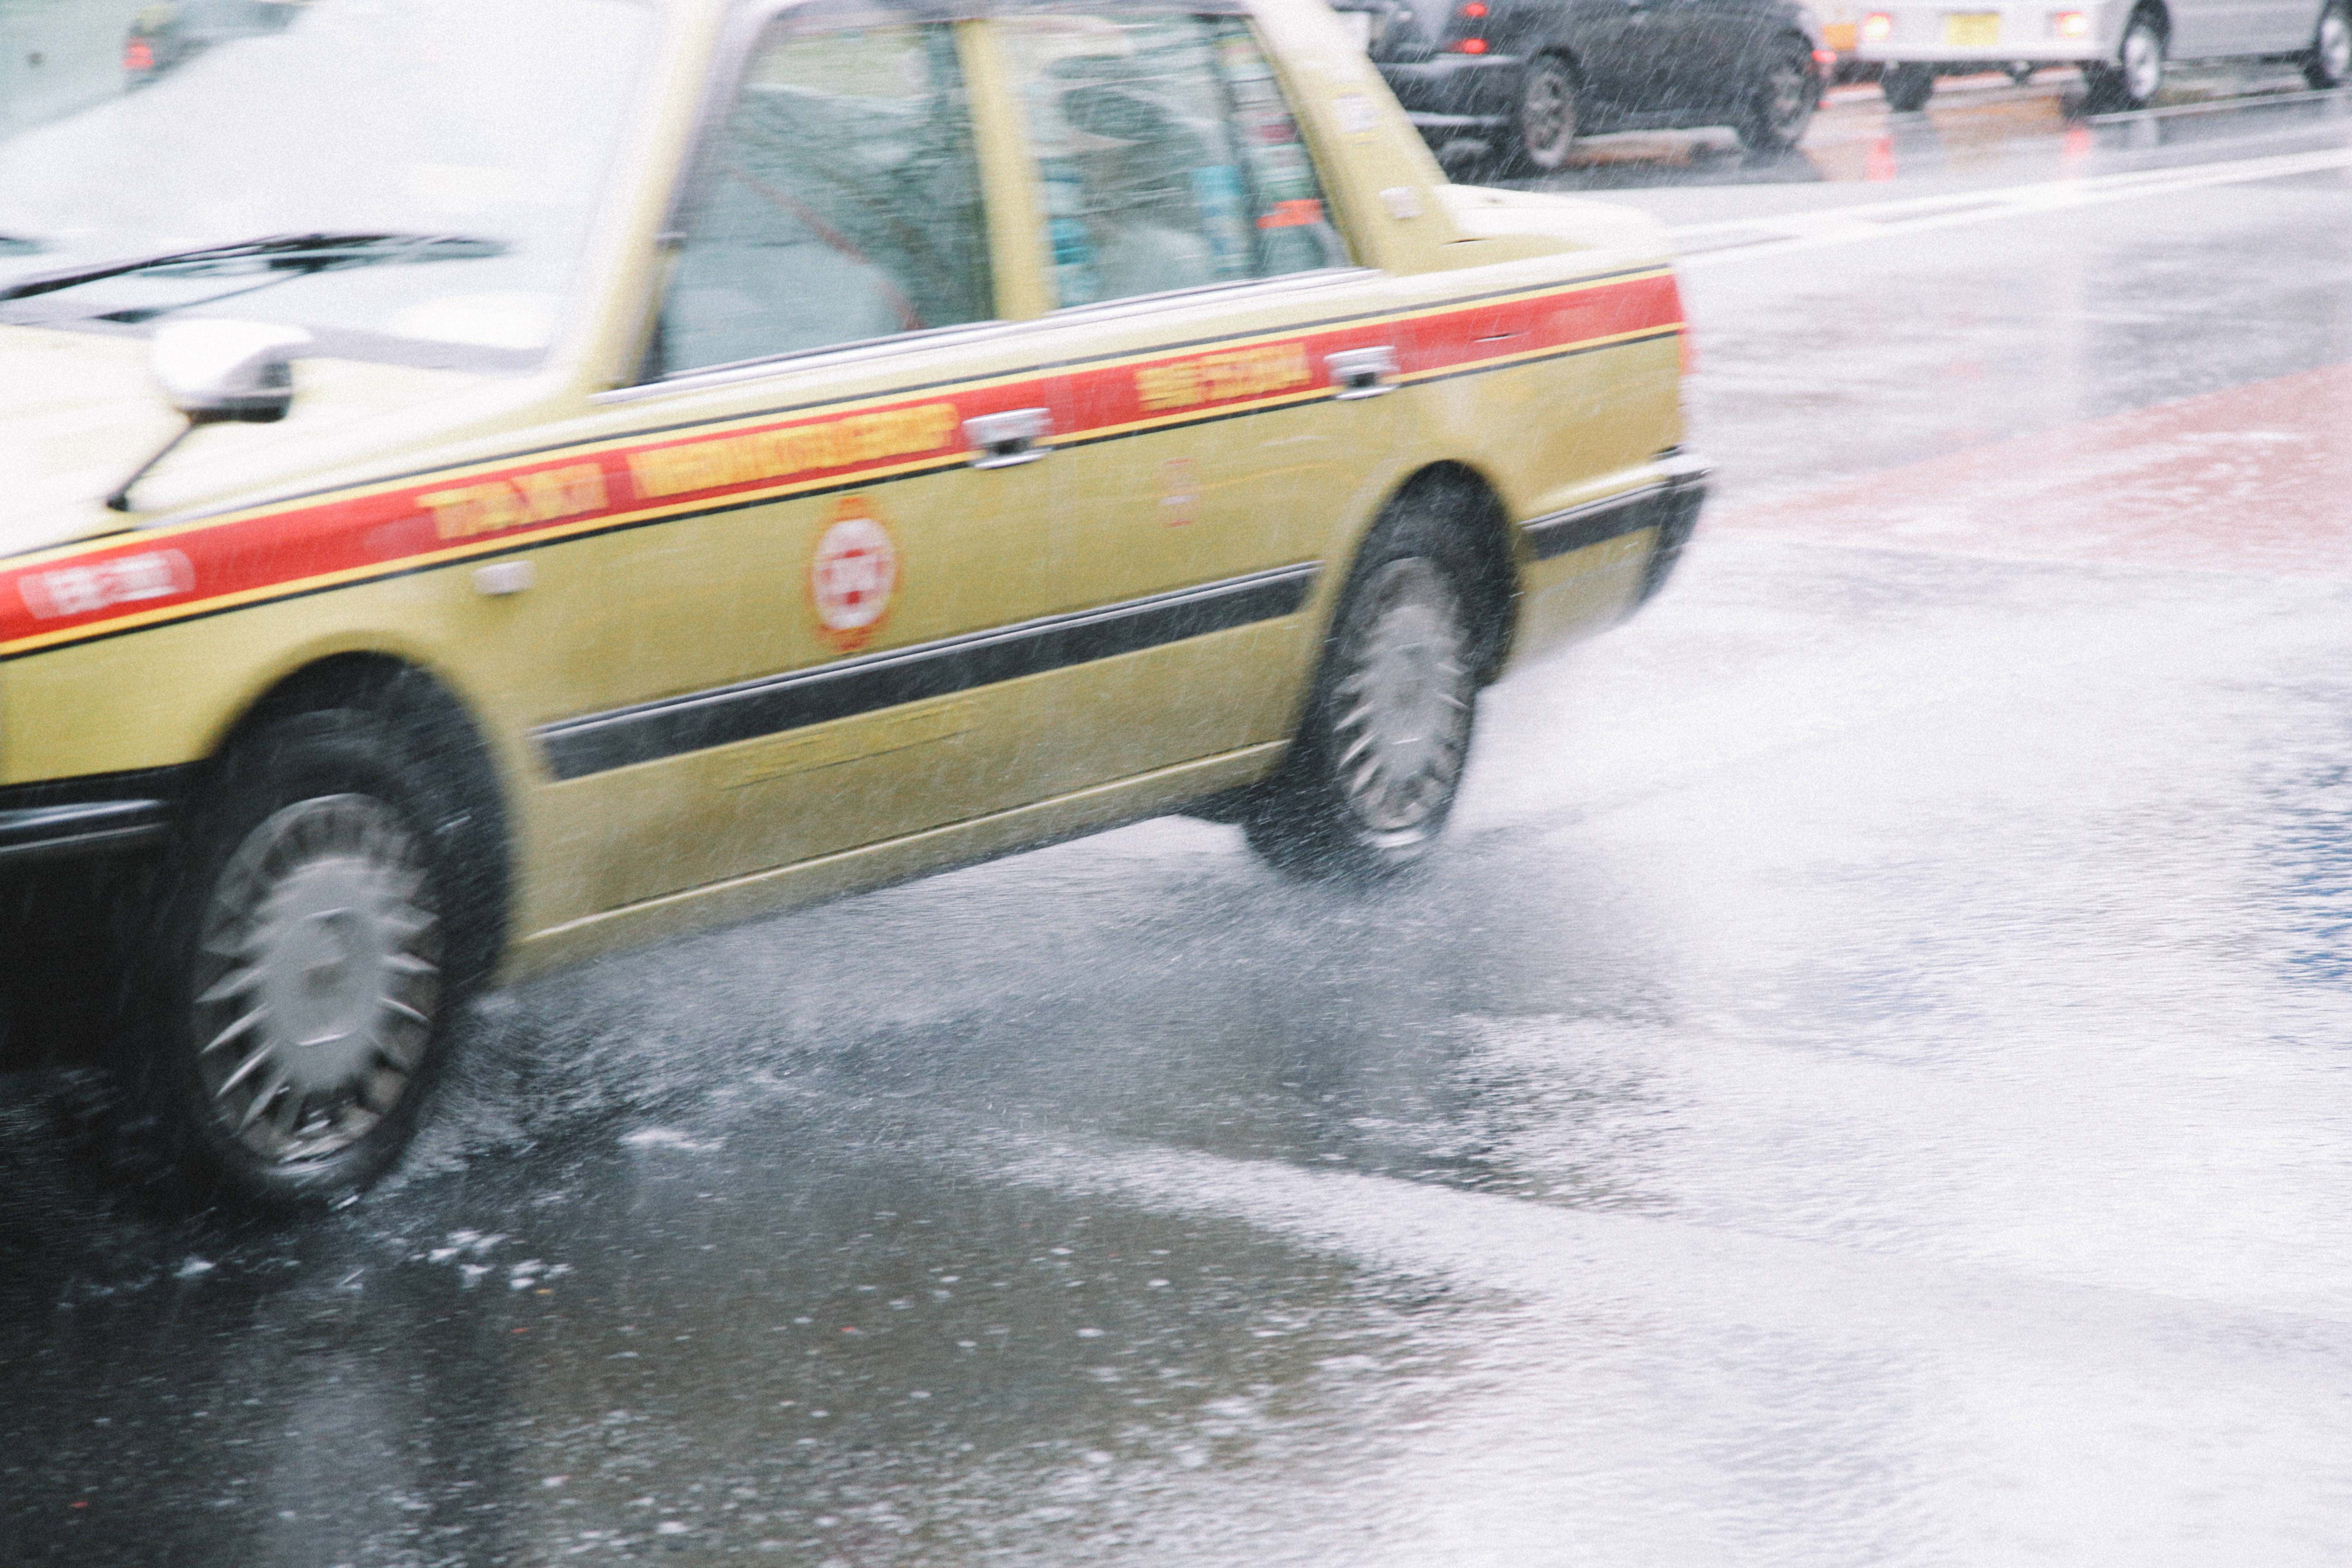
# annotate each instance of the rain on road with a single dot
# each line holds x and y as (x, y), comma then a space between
(1864, 1084)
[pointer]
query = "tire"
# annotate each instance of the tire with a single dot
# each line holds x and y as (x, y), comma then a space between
(304, 966)
(1781, 105)
(2134, 77)
(2329, 64)
(1543, 125)
(1907, 88)
(1372, 774)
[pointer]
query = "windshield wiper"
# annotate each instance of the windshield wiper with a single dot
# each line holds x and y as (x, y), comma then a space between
(292, 253)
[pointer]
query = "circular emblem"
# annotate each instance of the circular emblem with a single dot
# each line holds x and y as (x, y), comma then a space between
(853, 575)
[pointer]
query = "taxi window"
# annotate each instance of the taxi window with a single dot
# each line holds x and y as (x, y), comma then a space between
(839, 201)
(1169, 157)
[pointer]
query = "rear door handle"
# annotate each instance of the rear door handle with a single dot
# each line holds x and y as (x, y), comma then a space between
(1361, 373)
(1005, 440)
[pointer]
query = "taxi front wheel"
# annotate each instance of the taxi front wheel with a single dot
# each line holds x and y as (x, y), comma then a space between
(1372, 773)
(297, 1001)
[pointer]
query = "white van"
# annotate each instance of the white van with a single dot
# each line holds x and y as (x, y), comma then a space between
(2121, 45)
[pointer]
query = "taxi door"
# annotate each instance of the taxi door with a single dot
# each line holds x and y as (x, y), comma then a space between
(832, 449)
(1202, 304)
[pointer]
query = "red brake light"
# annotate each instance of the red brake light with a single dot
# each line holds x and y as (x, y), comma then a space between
(1474, 8)
(1468, 45)
(138, 55)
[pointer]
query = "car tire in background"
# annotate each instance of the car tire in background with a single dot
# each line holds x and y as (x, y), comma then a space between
(1907, 88)
(1372, 773)
(2133, 78)
(1782, 103)
(2329, 64)
(1544, 122)
(306, 958)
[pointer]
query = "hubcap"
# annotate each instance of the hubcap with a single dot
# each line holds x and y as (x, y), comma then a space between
(1548, 116)
(2335, 45)
(1404, 701)
(318, 981)
(2143, 62)
(1786, 102)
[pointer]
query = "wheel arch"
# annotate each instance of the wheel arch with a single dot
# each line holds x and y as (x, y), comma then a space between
(1466, 495)
(472, 833)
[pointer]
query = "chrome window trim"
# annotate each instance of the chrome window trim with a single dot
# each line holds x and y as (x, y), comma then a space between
(871, 349)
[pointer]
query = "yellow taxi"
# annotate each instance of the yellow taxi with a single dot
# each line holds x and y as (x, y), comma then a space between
(486, 481)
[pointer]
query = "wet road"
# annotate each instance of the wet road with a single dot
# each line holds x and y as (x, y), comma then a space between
(1866, 1084)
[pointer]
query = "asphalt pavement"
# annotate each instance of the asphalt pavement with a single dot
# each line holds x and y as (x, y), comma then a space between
(1864, 1084)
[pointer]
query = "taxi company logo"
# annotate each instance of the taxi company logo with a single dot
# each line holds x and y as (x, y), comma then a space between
(802, 449)
(1213, 378)
(125, 579)
(499, 504)
(853, 575)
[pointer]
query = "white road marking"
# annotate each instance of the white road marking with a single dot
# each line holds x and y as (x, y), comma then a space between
(1740, 239)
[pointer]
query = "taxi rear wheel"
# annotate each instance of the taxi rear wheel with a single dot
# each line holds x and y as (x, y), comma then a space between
(1372, 774)
(297, 987)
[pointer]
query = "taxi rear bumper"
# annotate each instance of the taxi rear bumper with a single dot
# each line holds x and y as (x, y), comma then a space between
(77, 818)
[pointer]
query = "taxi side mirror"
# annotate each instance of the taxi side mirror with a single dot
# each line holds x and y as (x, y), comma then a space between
(219, 373)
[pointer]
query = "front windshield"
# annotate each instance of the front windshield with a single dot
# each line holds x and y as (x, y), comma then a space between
(492, 120)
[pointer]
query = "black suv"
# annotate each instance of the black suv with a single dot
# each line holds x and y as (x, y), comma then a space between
(1529, 77)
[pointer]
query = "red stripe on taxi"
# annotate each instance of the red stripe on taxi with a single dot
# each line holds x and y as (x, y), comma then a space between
(318, 543)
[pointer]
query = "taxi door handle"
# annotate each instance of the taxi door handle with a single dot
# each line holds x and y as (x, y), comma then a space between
(1361, 373)
(1004, 440)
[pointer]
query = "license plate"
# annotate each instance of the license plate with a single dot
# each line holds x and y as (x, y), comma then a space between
(1972, 29)
(1359, 28)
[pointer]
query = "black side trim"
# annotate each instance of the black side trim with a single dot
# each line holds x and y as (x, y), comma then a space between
(674, 726)
(1669, 504)
(1560, 532)
(93, 815)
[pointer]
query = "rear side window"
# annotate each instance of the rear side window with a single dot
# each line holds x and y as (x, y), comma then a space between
(839, 200)
(1167, 155)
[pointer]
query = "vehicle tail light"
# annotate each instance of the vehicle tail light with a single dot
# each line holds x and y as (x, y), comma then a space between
(1877, 27)
(1466, 19)
(138, 55)
(1825, 58)
(2070, 25)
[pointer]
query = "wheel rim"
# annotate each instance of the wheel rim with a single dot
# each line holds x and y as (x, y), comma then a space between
(319, 979)
(2143, 62)
(2336, 46)
(1785, 101)
(1403, 697)
(1548, 112)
